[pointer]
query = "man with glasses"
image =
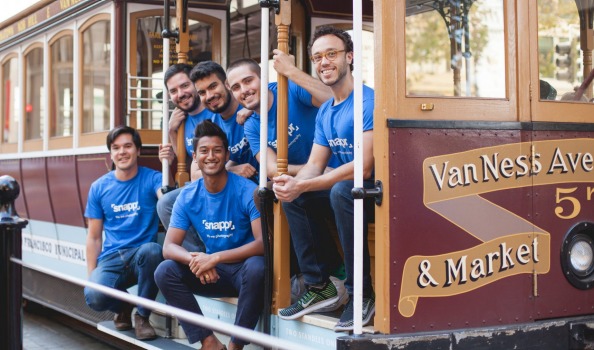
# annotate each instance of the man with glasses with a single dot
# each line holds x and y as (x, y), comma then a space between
(331, 52)
(317, 255)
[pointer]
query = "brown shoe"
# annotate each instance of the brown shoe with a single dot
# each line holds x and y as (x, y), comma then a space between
(123, 320)
(143, 328)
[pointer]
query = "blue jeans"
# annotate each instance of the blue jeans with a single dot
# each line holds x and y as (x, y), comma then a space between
(316, 251)
(244, 280)
(343, 204)
(192, 241)
(121, 270)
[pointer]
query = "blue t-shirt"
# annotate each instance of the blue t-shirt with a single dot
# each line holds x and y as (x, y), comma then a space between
(302, 115)
(127, 208)
(223, 220)
(239, 147)
(191, 122)
(335, 125)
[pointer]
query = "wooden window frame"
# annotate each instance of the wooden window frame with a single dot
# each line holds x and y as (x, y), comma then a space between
(551, 111)
(11, 147)
(453, 108)
(154, 136)
(59, 142)
(34, 144)
(90, 138)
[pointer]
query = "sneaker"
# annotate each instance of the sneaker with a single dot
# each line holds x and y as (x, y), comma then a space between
(123, 320)
(297, 287)
(314, 299)
(143, 328)
(343, 296)
(346, 322)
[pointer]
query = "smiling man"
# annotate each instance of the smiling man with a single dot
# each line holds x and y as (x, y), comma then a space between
(209, 79)
(122, 203)
(331, 52)
(221, 208)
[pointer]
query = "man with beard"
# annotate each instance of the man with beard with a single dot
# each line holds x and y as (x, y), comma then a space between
(331, 52)
(317, 255)
(191, 112)
(220, 205)
(209, 79)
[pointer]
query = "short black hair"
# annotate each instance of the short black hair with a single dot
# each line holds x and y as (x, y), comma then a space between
(174, 69)
(208, 128)
(339, 33)
(254, 66)
(123, 129)
(205, 69)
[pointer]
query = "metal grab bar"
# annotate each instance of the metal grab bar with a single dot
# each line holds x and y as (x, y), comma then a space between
(259, 338)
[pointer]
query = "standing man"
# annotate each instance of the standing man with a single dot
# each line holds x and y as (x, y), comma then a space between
(331, 52)
(122, 203)
(191, 112)
(220, 206)
(317, 255)
(209, 79)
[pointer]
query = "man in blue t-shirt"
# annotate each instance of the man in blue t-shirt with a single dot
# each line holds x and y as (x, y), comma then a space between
(122, 203)
(209, 79)
(317, 256)
(331, 52)
(220, 206)
(191, 112)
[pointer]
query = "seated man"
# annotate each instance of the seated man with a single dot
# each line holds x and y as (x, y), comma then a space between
(122, 202)
(317, 255)
(221, 208)
(332, 55)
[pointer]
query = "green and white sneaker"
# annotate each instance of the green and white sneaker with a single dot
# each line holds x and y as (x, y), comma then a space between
(313, 300)
(346, 322)
(343, 296)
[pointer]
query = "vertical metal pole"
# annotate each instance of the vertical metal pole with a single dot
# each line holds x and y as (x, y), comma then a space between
(11, 331)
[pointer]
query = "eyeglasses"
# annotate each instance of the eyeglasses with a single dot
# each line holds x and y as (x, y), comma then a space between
(330, 55)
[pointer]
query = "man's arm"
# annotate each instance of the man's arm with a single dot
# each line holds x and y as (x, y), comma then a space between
(244, 170)
(172, 246)
(285, 65)
(195, 172)
(94, 243)
(313, 178)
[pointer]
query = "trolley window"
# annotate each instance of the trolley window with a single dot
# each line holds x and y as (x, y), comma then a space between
(34, 96)
(62, 82)
(146, 60)
(458, 49)
(96, 58)
(10, 105)
(565, 41)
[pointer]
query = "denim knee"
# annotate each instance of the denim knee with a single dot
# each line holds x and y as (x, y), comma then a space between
(253, 269)
(340, 193)
(96, 300)
(151, 253)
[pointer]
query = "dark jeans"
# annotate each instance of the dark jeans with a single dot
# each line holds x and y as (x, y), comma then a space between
(122, 270)
(316, 251)
(245, 280)
(343, 204)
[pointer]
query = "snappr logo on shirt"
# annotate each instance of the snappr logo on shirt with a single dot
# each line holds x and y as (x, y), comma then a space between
(221, 225)
(339, 142)
(292, 128)
(133, 206)
(239, 146)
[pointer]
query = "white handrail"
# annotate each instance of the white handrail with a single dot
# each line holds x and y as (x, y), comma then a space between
(262, 339)
(264, 95)
(165, 127)
(358, 179)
